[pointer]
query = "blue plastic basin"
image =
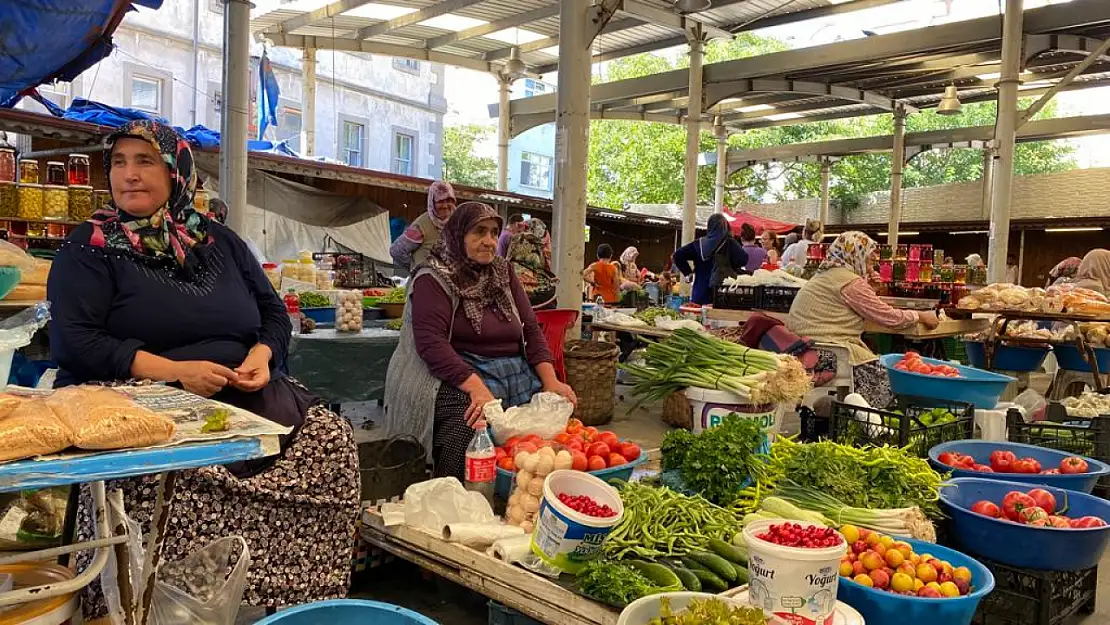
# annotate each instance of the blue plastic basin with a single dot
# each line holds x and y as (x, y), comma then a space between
(1006, 357)
(974, 386)
(1071, 359)
(1025, 546)
(347, 612)
(503, 486)
(879, 607)
(1049, 459)
(320, 315)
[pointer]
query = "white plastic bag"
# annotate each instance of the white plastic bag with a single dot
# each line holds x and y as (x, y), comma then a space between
(1032, 404)
(545, 416)
(433, 504)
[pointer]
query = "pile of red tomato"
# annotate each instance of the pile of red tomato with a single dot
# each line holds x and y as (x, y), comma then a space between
(1002, 461)
(913, 363)
(590, 449)
(1036, 507)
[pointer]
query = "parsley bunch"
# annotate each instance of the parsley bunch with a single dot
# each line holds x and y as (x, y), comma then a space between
(717, 462)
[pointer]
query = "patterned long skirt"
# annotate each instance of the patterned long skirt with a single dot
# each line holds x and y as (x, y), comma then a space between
(298, 516)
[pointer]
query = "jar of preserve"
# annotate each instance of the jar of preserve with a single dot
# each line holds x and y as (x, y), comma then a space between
(56, 174)
(80, 202)
(102, 199)
(79, 169)
(55, 231)
(30, 201)
(36, 229)
(55, 202)
(273, 274)
(28, 171)
(899, 271)
(7, 165)
(200, 201)
(9, 200)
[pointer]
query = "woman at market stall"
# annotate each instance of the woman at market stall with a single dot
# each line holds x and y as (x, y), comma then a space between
(150, 289)
(603, 276)
(752, 247)
(413, 247)
(795, 258)
(1064, 271)
(631, 278)
(711, 259)
(834, 305)
(1094, 272)
(530, 257)
(469, 337)
(770, 242)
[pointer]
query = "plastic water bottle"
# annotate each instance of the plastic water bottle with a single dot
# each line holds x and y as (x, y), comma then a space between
(293, 309)
(480, 472)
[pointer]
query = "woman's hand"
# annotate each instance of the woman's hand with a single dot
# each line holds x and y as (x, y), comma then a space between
(254, 373)
(561, 388)
(203, 378)
(928, 319)
(479, 397)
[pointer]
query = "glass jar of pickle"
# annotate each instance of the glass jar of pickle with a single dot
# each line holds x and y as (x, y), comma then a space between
(55, 202)
(55, 231)
(30, 201)
(945, 274)
(80, 202)
(900, 271)
(308, 270)
(56, 173)
(36, 229)
(926, 274)
(7, 165)
(885, 252)
(325, 279)
(959, 274)
(200, 201)
(79, 169)
(28, 171)
(273, 274)
(101, 199)
(9, 200)
(938, 256)
(902, 251)
(291, 269)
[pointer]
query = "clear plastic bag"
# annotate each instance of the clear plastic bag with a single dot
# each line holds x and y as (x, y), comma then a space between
(545, 416)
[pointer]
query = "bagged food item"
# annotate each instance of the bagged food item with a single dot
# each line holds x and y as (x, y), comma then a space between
(36, 273)
(532, 470)
(32, 429)
(348, 311)
(27, 293)
(101, 418)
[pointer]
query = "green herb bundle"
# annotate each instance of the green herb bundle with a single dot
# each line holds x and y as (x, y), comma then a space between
(717, 462)
(615, 584)
(312, 299)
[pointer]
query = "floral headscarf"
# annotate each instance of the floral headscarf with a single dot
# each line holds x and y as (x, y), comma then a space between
(852, 250)
(628, 261)
(476, 285)
(437, 192)
(174, 229)
(1066, 268)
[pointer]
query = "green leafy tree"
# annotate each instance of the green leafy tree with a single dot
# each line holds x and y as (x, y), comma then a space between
(460, 163)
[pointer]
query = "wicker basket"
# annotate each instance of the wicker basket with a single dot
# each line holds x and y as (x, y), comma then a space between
(677, 412)
(592, 372)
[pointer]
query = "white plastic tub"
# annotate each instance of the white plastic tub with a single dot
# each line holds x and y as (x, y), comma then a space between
(642, 610)
(795, 583)
(567, 539)
(711, 407)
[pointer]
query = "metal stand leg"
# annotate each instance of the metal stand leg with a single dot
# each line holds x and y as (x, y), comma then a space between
(158, 522)
(69, 527)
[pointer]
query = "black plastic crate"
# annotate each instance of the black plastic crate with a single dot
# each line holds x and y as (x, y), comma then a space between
(1083, 436)
(852, 425)
(736, 297)
(813, 427)
(777, 298)
(1030, 597)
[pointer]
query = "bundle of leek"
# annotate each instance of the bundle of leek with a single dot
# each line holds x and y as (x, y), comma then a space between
(908, 522)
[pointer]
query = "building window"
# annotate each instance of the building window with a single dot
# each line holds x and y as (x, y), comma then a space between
(412, 66)
(216, 6)
(533, 87)
(146, 94)
(353, 135)
(535, 171)
(289, 127)
(402, 153)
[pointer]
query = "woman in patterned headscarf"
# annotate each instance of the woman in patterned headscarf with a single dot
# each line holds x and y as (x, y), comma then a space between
(150, 289)
(412, 248)
(529, 254)
(834, 306)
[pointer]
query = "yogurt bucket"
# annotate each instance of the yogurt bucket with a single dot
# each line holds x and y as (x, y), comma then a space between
(797, 584)
(710, 407)
(566, 538)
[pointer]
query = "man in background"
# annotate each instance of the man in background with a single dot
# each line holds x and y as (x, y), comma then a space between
(516, 225)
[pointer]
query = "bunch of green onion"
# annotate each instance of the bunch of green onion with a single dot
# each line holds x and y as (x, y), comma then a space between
(904, 522)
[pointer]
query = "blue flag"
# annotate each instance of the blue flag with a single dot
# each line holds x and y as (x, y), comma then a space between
(268, 94)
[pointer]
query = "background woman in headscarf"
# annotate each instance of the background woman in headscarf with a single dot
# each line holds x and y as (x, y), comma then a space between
(413, 247)
(530, 257)
(1094, 272)
(814, 232)
(150, 289)
(711, 259)
(469, 337)
(631, 278)
(1064, 271)
(834, 305)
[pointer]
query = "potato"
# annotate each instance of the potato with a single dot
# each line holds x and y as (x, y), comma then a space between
(535, 487)
(521, 458)
(530, 503)
(515, 515)
(523, 478)
(563, 460)
(545, 465)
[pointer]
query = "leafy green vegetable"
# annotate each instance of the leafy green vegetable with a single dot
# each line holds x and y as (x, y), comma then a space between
(312, 299)
(718, 461)
(394, 296)
(659, 522)
(216, 421)
(616, 584)
(394, 324)
(649, 315)
(708, 612)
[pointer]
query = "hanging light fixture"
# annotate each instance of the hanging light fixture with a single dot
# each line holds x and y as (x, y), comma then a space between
(514, 68)
(692, 6)
(950, 103)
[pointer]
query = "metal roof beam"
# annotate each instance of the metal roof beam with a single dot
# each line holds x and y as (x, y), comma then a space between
(773, 123)
(512, 21)
(345, 44)
(311, 17)
(719, 92)
(808, 14)
(669, 19)
(523, 123)
(547, 42)
(435, 10)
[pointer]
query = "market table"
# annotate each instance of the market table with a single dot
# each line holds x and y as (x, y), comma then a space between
(946, 328)
(343, 367)
(518, 588)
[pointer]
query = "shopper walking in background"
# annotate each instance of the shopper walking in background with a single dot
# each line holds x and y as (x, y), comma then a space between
(756, 254)
(770, 242)
(516, 226)
(603, 276)
(711, 259)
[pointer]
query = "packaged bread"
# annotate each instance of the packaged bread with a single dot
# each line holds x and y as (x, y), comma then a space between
(27, 293)
(36, 274)
(31, 429)
(101, 418)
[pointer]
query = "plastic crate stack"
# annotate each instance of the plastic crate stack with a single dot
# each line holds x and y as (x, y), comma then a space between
(902, 424)
(1031, 597)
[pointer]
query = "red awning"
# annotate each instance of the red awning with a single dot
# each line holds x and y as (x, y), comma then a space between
(759, 223)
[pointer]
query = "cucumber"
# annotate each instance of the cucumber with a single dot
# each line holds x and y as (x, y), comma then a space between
(741, 575)
(727, 551)
(689, 580)
(693, 564)
(721, 568)
(659, 575)
(709, 581)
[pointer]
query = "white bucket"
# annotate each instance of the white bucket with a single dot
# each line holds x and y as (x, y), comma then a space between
(795, 583)
(711, 407)
(568, 539)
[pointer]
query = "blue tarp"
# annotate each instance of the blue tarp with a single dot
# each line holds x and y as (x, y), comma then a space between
(47, 40)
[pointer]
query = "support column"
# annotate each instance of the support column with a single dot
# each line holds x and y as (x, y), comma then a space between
(236, 109)
(897, 162)
(308, 102)
(693, 134)
(988, 180)
(824, 214)
(722, 166)
(504, 85)
(1004, 134)
(572, 144)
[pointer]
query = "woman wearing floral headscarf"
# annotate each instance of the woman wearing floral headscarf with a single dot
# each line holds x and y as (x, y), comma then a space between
(835, 304)
(1064, 271)
(529, 254)
(150, 289)
(412, 248)
(630, 273)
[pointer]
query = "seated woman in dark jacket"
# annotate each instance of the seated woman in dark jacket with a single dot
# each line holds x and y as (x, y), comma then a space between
(150, 289)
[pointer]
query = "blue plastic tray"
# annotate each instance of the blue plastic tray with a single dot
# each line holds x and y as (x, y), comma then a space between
(504, 485)
(325, 314)
(975, 386)
(347, 612)
(1006, 357)
(1024, 546)
(1070, 358)
(1049, 459)
(879, 607)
